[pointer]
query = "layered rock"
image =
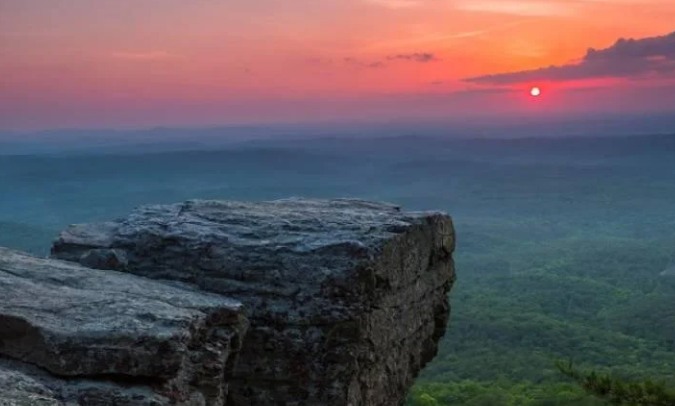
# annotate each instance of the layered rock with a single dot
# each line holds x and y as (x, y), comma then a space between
(77, 336)
(347, 299)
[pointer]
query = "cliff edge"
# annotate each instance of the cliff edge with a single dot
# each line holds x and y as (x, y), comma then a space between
(347, 299)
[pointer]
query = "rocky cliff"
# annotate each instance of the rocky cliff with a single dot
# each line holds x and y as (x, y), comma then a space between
(347, 299)
(76, 336)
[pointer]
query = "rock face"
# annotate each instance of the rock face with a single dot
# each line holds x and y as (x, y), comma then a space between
(77, 336)
(347, 299)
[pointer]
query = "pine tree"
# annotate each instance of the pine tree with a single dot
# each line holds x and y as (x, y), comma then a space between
(619, 392)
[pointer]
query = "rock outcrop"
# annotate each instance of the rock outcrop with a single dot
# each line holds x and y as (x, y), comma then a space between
(76, 336)
(347, 299)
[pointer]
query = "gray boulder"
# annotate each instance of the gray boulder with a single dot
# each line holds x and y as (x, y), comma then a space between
(347, 299)
(77, 336)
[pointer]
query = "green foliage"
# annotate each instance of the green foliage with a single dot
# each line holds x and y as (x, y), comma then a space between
(618, 391)
(500, 393)
(531, 295)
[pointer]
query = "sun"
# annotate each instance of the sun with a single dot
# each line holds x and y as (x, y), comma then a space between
(535, 92)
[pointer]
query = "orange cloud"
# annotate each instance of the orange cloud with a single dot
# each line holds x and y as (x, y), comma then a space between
(518, 7)
(396, 4)
(625, 59)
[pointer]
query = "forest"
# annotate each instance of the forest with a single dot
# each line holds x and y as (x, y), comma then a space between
(562, 243)
(576, 277)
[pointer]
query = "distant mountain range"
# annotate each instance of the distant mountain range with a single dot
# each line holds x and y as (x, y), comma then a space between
(162, 139)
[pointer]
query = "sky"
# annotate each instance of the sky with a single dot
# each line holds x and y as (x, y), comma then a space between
(138, 63)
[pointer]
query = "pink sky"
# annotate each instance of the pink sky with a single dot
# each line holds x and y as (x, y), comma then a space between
(127, 63)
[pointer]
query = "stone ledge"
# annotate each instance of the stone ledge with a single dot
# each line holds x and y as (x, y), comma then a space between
(347, 298)
(115, 334)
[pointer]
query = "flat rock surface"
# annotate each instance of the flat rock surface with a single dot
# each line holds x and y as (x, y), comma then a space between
(347, 298)
(83, 334)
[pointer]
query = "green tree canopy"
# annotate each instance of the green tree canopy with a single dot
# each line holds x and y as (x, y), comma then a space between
(619, 392)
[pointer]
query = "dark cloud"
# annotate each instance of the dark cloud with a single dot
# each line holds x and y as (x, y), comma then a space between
(628, 58)
(362, 64)
(416, 57)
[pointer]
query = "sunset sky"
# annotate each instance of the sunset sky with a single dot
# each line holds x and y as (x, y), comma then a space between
(134, 63)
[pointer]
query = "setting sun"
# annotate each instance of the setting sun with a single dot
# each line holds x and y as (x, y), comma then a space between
(535, 92)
